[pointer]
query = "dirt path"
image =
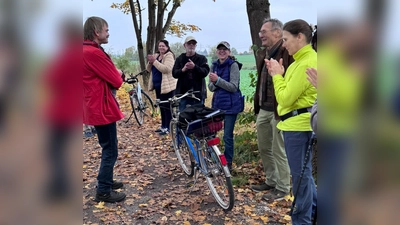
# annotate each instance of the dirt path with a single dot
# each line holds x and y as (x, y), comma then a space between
(156, 187)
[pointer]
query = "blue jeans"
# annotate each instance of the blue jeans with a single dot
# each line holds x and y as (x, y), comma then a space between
(229, 126)
(107, 135)
(333, 153)
(296, 145)
(188, 101)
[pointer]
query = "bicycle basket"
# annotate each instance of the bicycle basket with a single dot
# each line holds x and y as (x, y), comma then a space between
(201, 120)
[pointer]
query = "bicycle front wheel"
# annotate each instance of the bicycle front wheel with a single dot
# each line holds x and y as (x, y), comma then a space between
(147, 108)
(182, 151)
(142, 108)
(218, 178)
(136, 109)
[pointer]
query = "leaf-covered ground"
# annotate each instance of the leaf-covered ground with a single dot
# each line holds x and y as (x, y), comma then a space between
(158, 192)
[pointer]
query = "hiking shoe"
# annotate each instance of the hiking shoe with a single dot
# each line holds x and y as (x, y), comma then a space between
(117, 185)
(159, 130)
(261, 187)
(274, 195)
(164, 131)
(230, 167)
(111, 197)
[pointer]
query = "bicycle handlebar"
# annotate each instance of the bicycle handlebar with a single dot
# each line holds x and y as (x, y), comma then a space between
(133, 78)
(175, 98)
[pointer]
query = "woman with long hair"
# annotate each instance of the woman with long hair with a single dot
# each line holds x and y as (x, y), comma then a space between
(161, 80)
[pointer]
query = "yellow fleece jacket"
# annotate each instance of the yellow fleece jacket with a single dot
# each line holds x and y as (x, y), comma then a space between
(294, 91)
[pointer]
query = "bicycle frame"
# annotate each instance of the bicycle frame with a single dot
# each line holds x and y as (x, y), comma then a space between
(140, 100)
(139, 93)
(204, 156)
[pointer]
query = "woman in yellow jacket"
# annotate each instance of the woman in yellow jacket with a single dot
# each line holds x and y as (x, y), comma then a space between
(161, 80)
(295, 94)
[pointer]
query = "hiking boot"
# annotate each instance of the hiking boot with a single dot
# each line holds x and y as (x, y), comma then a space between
(117, 185)
(261, 187)
(230, 167)
(274, 195)
(111, 197)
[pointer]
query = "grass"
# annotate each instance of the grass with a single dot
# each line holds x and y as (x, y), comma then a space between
(240, 179)
(249, 66)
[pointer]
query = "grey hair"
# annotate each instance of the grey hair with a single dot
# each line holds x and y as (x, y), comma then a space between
(275, 24)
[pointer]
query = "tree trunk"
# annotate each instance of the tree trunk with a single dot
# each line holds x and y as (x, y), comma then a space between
(151, 29)
(155, 30)
(257, 11)
(160, 17)
(138, 31)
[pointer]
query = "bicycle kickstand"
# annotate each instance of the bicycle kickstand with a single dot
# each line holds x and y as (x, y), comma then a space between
(193, 183)
(129, 118)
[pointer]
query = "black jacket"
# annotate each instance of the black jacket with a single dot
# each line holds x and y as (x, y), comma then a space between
(192, 78)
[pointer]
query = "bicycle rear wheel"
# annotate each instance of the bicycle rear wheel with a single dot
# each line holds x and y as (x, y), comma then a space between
(182, 151)
(218, 178)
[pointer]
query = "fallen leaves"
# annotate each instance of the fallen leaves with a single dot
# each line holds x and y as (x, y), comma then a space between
(158, 191)
(100, 205)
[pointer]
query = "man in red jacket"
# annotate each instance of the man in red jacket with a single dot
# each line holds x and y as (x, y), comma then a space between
(100, 108)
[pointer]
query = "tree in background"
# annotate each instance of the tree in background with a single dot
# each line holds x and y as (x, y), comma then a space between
(212, 52)
(157, 27)
(257, 11)
(177, 48)
(234, 51)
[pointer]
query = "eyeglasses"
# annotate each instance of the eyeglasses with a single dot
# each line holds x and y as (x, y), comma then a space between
(222, 49)
(262, 32)
(191, 43)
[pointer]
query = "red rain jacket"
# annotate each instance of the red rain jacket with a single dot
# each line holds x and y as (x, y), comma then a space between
(99, 76)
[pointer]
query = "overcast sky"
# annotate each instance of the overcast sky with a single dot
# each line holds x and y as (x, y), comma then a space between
(220, 20)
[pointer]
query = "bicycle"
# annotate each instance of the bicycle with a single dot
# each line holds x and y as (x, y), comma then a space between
(195, 144)
(141, 103)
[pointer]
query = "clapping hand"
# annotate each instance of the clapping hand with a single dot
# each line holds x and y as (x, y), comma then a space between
(274, 67)
(213, 77)
(190, 65)
(151, 59)
(312, 76)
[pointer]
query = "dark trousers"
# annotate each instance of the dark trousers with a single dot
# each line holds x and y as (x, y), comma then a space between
(166, 115)
(107, 135)
(59, 181)
(296, 145)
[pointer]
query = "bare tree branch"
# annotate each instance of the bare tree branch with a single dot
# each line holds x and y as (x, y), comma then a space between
(171, 14)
